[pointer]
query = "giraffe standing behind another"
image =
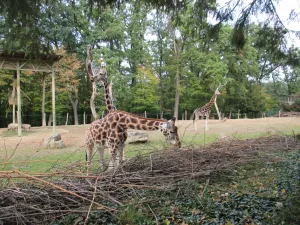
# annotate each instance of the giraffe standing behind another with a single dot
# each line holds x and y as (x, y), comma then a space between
(205, 110)
(101, 76)
(111, 132)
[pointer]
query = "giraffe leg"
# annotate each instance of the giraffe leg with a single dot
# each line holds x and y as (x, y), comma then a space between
(195, 122)
(121, 153)
(101, 150)
(206, 124)
(88, 153)
(113, 158)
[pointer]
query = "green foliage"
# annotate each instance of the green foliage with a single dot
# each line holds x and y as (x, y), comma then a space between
(145, 91)
(133, 213)
(256, 193)
(289, 183)
(133, 35)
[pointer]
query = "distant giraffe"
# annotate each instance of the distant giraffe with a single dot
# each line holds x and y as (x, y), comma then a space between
(111, 132)
(205, 110)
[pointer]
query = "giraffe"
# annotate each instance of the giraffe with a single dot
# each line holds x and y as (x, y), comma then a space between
(101, 75)
(90, 72)
(205, 110)
(111, 132)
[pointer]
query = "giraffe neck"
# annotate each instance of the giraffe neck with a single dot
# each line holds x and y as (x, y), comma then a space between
(108, 97)
(212, 101)
(130, 121)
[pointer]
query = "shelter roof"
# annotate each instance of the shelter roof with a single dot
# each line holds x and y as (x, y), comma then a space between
(23, 55)
(23, 61)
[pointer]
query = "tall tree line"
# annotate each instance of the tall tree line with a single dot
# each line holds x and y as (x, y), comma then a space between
(160, 58)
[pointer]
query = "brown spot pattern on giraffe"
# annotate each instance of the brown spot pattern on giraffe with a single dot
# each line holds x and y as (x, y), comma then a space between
(114, 132)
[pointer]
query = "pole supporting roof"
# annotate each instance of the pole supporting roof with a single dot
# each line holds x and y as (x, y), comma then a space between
(42, 63)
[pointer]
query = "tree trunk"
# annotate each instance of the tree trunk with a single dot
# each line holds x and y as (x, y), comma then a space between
(50, 120)
(74, 105)
(178, 79)
(177, 93)
(218, 112)
(67, 119)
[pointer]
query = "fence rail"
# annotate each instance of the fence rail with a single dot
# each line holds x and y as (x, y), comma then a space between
(64, 119)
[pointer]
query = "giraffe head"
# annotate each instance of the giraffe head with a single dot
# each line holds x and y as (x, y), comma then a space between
(217, 92)
(171, 132)
(101, 74)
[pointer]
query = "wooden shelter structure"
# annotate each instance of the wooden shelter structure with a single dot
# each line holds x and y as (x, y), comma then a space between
(19, 61)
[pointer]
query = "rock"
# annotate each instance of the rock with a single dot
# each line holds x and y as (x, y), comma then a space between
(55, 141)
(12, 126)
(26, 127)
(137, 137)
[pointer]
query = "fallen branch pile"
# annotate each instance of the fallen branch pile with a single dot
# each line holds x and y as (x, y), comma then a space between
(288, 114)
(41, 198)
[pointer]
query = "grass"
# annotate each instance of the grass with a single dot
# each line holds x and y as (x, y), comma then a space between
(39, 158)
(42, 159)
(13, 133)
(254, 193)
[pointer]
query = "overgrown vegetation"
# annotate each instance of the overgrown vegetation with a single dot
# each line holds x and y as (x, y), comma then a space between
(252, 181)
(256, 193)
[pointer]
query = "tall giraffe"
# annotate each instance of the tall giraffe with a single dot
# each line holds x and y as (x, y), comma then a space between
(101, 75)
(111, 132)
(205, 110)
(98, 74)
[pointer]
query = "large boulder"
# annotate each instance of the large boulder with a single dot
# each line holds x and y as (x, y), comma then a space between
(137, 137)
(54, 141)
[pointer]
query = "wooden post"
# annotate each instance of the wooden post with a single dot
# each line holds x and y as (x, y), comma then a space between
(145, 114)
(279, 114)
(43, 101)
(102, 114)
(162, 115)
(84, 118)
(19, 100)
(185, 115)
(230, 115)
(53, 100)
(13, 97)
(67, 119)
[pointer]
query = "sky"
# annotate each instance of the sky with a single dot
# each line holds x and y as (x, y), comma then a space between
(283, 9)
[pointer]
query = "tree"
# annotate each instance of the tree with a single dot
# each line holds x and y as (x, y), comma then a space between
(22, 17)
(68, 80)
(145, 91)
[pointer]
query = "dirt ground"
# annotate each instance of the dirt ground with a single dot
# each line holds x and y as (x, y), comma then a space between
(73, 136)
